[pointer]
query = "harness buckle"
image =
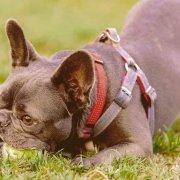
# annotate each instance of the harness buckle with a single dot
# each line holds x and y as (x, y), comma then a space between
(110, 34)
(150, 91)
(124, 97)
(132, 65)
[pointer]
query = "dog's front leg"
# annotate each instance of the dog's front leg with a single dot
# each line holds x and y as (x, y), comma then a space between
(106, 156)
(130, 134)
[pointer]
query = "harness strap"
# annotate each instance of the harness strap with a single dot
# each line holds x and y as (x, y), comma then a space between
(125, 94)
(134, 73)
(120, 102)
(150, 95)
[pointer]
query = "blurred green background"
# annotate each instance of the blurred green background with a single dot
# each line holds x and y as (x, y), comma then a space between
(53, 25)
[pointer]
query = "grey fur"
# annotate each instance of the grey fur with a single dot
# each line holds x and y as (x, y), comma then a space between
(151, 36)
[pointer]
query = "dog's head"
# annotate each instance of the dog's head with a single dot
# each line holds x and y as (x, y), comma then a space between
(40, 96)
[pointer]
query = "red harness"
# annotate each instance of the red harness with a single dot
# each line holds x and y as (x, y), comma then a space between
(97, 121)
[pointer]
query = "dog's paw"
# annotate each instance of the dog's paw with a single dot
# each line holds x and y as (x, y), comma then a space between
(86, 162)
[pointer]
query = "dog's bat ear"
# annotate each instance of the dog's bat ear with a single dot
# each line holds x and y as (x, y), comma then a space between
(22, 51)
(75, 78)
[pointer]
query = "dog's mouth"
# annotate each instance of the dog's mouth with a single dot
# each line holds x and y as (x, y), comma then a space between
(23, 141)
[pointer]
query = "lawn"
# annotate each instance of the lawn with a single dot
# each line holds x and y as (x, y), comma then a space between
(165, 164)
(58, 24)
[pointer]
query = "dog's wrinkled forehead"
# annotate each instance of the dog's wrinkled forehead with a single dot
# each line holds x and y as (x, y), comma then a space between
(38, 96)
(25, 85)
(15, 80)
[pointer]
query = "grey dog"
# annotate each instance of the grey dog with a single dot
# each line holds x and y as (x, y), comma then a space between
(45, 100)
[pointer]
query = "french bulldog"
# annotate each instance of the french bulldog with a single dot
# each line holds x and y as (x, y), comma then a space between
(45, 102)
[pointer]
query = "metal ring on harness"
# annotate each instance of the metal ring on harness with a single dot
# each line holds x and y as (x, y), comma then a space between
(133, 66)
(117, 40)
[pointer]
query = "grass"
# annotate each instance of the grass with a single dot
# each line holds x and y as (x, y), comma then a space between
(165, 164)
(59, 24)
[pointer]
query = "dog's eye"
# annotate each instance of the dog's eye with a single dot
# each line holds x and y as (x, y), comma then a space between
(27, 120)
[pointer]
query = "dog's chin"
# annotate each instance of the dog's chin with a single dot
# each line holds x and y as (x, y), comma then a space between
(21, 140)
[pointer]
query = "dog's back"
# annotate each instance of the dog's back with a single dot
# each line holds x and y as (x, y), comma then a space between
(151, 35)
